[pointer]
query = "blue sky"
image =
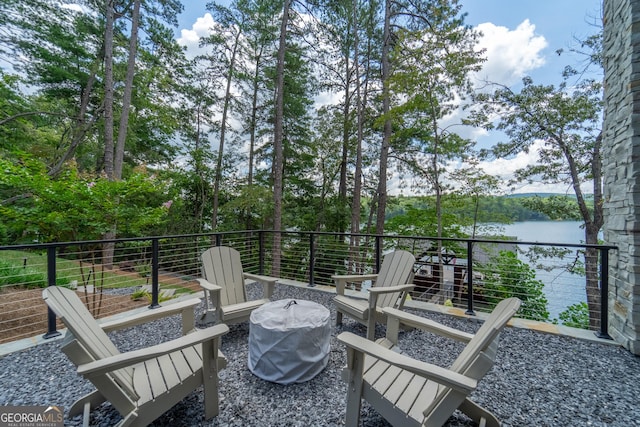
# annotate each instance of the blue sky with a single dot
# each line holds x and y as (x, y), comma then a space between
(560, 22)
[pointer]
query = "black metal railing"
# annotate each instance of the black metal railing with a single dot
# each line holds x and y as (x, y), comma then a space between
(460, 272)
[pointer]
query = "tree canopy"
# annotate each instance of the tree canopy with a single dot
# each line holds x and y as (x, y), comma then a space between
(295, 115)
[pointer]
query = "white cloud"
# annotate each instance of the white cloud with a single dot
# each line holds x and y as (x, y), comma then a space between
(506, 168)
(510, 54)
(191, 38)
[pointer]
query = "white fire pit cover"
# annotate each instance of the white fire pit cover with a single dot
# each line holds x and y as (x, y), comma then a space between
(289, 341)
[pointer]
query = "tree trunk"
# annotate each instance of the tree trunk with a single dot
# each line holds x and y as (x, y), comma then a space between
(81, 126)
(436, 184)
(108, 90)
(354, 246)
(128, 89)
(223, 130)
(387, 130)
(346, 109)
(591, 230)
(592, 226)
(108, 248)
(200, 193)
(278, 135)
(252, 132)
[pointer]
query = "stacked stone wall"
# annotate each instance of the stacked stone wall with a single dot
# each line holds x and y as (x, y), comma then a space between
(621, 165)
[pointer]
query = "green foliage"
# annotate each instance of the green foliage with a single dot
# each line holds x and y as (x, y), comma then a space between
(58, 51)
(575, 316)
(74, 206)
(15, 272)
(144, 270)
(413, 221)
(554, 207)
(506, 276)
(431, 61)
(416, 215)
(141, 293)
(16, 275)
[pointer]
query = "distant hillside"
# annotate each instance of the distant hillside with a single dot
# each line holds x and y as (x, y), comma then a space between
(502, 209)
(519, 195)
(543, 195)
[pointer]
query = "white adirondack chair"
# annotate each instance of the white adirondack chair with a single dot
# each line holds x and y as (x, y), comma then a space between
(140, 384)
(224, 286)
(411, 393)
(391, 287)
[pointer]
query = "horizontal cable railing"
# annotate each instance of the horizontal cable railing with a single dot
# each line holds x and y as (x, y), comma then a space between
(117, 275)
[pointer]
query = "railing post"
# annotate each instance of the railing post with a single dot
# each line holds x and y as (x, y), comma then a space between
(260, 252)
(155, 288)
(470, 278)
(604, 295)
(312, 259)
(51, 281)
(378, 253)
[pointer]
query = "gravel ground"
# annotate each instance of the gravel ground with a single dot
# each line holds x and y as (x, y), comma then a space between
(538, 379)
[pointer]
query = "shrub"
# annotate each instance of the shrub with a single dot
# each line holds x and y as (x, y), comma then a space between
(506, 276)
(15, 275)
(575, 316)
(12, 274)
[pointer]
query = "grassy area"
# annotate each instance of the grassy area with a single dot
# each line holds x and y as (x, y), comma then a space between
(29, 270)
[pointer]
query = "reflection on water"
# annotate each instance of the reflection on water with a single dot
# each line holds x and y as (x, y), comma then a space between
(562, 288)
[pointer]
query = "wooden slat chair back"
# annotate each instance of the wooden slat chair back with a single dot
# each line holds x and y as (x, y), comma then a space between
(222, 265)
(224, 285)
(142, 384)
(478, 356)
(396, 269)
(390, 288)
(86, 342)
(409, 392)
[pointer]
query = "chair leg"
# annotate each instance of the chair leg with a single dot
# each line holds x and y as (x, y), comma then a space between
(355, 364)
(479, 414)
(210, 378)
(86, 413)
(129, 420)
(209, 316)
(371, 326)
(93, 399)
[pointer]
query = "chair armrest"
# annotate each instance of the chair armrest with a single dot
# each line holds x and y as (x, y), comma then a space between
(354, 277)
(209, 286)
(430, 371)
(260, 278)
(268, 283)
(427, 325)
(392, 289)
(342, 279)
(123, 360)
(374, 293)
(185, 307)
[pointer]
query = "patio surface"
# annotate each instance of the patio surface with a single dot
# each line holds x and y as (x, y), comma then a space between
(539, 379)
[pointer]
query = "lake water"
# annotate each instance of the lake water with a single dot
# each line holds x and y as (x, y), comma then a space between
(561, 287)
(546, 231)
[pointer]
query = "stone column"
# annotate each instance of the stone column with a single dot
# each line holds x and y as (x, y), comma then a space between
(621, 165)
